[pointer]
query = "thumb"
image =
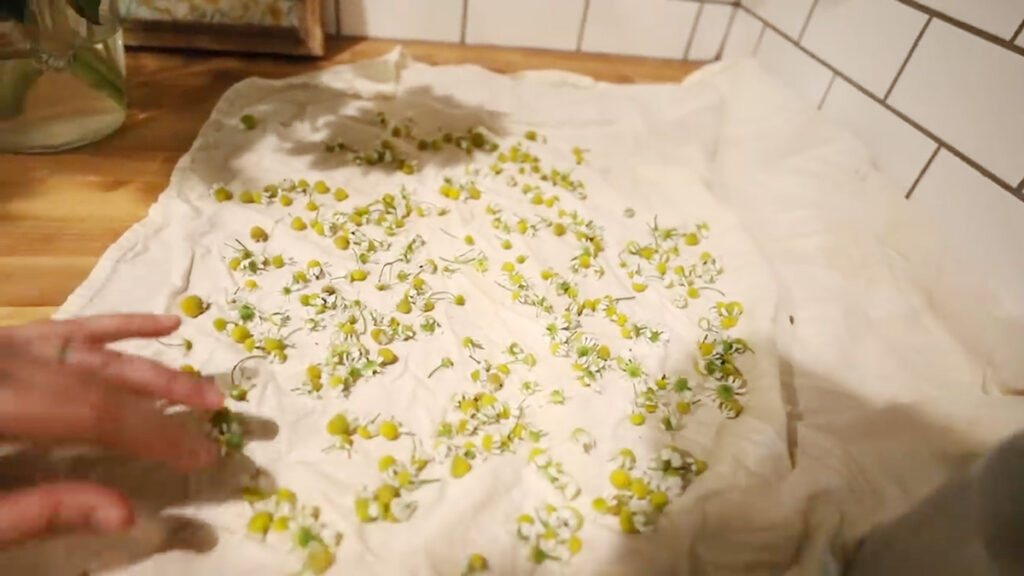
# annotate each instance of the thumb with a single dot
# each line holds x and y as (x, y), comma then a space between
(32, 512)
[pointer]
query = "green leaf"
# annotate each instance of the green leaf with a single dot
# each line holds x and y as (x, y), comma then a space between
(93, 68)
(12, 10)
(16, 77)
(88, 9)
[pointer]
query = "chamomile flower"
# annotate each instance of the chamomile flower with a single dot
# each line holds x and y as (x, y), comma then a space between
(526, 527)
(540, 458)
(569, 488)
(671, 458)
(585, 440)
(724, 397)
(551, 533)
(402, 509)
(670, 484)
(625, 459)
(319, 558)
(631, 368)
(529, 388)
(460, 466)
(476, 564)
(367, 509)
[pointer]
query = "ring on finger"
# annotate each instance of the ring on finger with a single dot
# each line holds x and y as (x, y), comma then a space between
(64, 352)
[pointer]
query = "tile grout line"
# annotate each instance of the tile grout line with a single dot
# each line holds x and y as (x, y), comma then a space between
(583, 25)
(924, 169)
(931, 135)
(827, 90)
(803, 29)
(974, 30)
(1016, 35)
(693, 31)
(725, 37)
(337, 17)
(910, 54)
(760, 38)
(465, 20)
(764, 26)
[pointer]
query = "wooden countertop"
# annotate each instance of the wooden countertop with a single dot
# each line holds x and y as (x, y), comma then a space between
(60, 212)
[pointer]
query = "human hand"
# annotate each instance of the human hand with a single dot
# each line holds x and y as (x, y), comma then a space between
(59, 383)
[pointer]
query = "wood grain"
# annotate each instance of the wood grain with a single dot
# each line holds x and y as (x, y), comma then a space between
(59, 213)
(305, 40)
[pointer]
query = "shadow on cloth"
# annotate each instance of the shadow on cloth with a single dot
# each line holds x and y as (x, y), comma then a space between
(152, 487)
(858, 465)
(307, 119)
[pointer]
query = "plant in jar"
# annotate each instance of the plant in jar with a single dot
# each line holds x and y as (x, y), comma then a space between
(62, 73)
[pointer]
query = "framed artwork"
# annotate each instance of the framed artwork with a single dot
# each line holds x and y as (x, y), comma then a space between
(269, 26)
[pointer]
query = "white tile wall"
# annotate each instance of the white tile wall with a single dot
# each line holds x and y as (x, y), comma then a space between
(978, 226)
(711, 29)
(787, 15)
(552, 24)
(743, 36)
(654, 28)
(434, 20)
(781, 57)
(962, 241)
(1000, 17)
(899, 149)
(964, 90)
(868, 40)
(970, 93)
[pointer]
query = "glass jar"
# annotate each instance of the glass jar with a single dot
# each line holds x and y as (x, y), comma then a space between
(62, 74)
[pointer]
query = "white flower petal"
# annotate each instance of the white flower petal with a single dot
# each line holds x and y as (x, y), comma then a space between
(642, 523)
(550, 547)
(403, 509)
(571, 490)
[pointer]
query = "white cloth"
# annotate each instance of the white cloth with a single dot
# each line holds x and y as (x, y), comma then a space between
(881, 401)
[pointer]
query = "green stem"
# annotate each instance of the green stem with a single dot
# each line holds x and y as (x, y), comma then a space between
(17, 77)
(100, 60)
(90, 65)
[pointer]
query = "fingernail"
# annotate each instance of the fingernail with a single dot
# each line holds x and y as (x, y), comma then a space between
(111, 518)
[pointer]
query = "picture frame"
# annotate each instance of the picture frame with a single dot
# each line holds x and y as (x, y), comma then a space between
(291, 27)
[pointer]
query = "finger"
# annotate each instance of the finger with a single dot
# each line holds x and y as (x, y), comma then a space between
(46, 339)
(32, 512)
(148, 377)
(111, 328)
(77, 410)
